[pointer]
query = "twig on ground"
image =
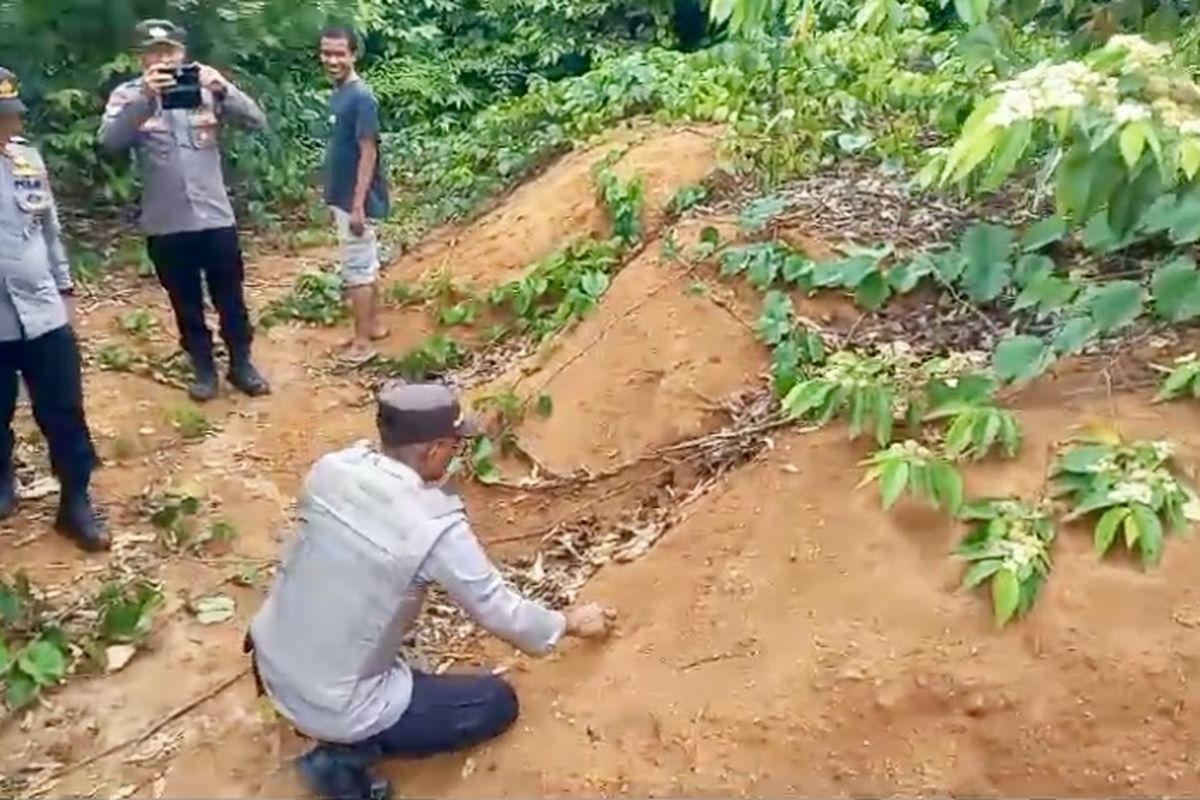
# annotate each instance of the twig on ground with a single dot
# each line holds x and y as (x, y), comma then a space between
(48, 783)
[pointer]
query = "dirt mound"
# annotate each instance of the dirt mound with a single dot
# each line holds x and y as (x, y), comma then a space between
(647, 368)
(561, 204)
(792, 638)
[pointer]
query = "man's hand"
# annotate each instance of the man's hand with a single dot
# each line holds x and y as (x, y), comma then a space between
(590, 621)
(69, 304)
(358, 220)
(157, 78)
(212, 80)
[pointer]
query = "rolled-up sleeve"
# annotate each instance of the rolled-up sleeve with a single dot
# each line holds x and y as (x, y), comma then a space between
(459, 565)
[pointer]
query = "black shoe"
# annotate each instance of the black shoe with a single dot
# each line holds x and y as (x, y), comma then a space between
(204, 382)
(77, 519)
(8, 493)
(246, 379)
(332, 776)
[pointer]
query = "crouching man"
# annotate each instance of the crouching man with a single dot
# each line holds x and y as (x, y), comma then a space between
(375, 531)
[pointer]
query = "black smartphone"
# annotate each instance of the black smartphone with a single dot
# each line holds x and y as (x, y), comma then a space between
(186, 91)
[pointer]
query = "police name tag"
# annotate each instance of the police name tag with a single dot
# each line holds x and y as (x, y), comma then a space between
(31, 194)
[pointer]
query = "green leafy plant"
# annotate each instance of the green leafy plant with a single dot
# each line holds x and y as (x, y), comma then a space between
(40, 645)
(1182, 380)
(623, 200)
(1125, 122)
(174, 513)
(138, 323)
(910, 465)
(190, 422)
(875, 391)
(861, 386)
(975, 429)
(560, 289)
(481, 460)
(1129, 488)
(1008, 543)
(687, 198)
(463, 312)
(126, 611)
(432, 357)
(116, 358)
(795, 348)
(316, 297)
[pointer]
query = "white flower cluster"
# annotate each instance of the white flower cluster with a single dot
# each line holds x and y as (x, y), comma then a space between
(1191, 508)
(1020, 549)
(1131, 111)
(1162, 449)
(1132, 492)
(1050, 87)
(1173, 115)
(910, 448)
(1139, 54)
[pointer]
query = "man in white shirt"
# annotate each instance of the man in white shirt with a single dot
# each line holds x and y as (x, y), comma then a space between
(375, 531)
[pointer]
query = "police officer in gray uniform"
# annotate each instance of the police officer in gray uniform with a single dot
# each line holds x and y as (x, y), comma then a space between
(191, 232)
(37, 342)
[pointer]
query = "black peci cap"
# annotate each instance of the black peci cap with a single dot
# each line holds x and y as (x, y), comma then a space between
(416, 413)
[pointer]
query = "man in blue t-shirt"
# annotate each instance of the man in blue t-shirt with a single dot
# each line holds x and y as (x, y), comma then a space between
(354, 186)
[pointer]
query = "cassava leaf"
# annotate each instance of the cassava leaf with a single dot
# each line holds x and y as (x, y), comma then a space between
(893, 479)
(1043, 233)
(980, 571)
(1006, 594)
(1106, 529)
(1021, 358)
(1150, 542)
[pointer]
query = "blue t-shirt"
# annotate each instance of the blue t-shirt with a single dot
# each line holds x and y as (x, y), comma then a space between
(354, 116)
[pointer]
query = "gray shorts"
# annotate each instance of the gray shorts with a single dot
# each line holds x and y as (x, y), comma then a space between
(360, 254)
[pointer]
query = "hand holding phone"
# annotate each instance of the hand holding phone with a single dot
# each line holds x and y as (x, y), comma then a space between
(158, 78)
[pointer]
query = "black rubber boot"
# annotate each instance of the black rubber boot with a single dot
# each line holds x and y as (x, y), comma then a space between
(245, 378)
(8, 492)
(77, 519)
(335, 775)
(204, 380)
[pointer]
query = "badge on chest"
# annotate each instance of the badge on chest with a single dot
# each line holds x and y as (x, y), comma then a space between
(29, 186)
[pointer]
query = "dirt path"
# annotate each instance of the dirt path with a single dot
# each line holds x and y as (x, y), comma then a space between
(784, 636)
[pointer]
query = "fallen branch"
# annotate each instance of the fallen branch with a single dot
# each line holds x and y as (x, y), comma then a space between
(48, 783)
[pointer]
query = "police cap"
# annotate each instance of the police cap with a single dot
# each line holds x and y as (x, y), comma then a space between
(151, 32)
(10, 96)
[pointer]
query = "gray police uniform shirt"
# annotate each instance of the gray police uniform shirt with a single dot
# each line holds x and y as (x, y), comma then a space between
(371, 538)
(178, 153)
(33, 262)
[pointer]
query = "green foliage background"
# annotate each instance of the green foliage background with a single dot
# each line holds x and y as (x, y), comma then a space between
(475, 94)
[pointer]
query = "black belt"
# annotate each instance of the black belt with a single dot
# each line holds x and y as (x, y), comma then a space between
(248, 647)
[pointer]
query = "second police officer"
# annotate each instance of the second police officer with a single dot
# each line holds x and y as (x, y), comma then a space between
(37, 342)
(189, 223)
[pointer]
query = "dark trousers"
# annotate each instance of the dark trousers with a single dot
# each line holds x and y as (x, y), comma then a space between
(447, 713)
(50, 365)
(184, 262)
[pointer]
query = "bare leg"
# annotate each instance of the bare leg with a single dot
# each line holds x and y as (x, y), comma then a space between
(378, 331)
(362, 311)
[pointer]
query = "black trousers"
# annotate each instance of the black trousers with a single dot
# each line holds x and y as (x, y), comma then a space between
(184, 262)
(50, 365)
